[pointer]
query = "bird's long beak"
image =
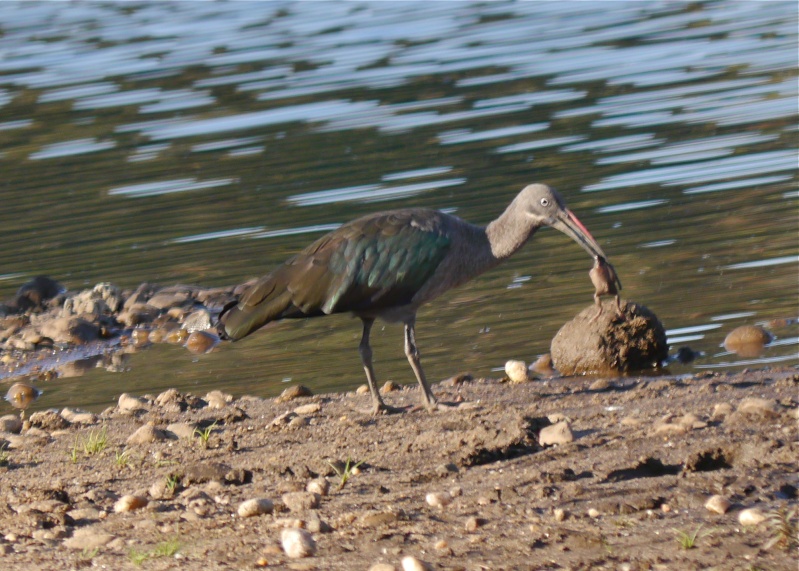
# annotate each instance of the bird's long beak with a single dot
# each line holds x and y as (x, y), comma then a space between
(568, 223)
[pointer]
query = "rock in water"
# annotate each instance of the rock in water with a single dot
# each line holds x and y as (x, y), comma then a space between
(610, 343)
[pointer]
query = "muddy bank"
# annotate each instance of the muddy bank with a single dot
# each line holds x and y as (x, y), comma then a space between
(568, 473)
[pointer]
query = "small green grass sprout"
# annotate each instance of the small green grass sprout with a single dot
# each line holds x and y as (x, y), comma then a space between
(688, 540)
(346, 472)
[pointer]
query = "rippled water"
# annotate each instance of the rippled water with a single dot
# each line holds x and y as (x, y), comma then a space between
(204, 143)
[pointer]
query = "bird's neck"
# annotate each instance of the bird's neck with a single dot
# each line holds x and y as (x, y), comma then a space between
(509, 232)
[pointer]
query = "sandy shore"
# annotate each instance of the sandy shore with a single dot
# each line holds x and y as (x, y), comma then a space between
(158, 482)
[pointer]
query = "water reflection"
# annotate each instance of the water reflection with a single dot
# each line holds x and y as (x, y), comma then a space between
(151, 142)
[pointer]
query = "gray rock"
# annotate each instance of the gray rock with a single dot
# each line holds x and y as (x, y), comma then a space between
(10, 423)
(559, 433)
(301, 501)
(146, 434)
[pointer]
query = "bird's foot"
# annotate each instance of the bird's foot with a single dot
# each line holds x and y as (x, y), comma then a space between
(438, 406)
(383, 408)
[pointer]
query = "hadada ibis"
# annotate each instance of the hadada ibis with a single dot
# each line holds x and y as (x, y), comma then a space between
(386, 265)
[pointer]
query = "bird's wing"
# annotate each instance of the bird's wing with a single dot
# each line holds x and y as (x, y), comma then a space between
(374, 262)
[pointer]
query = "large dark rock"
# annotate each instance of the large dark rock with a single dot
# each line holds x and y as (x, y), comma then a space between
(610, 343)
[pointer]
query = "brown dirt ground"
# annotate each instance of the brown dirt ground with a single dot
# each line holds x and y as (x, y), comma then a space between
(645, 468)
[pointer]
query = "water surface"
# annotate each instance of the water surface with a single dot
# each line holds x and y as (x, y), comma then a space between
(204, 143)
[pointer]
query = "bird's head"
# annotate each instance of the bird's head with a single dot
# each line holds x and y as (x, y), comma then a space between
(546, 207)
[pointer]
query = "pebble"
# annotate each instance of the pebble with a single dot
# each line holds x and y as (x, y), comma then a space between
(21, 396)
(76, 416)
(517, 371)
(88, 539)
(308, 409)
(218, 399)
(255, 506)
(438, 500)
(543, 366)
(594, 513)
(300, 501)
(473, 522)
(718, 504)
(140, 337)
(197, 321)
(362, 390)
(293, 392)
(759, 406)
(390, 387)
(146, 434)
(297, 543)
(129, 403)
(10, 423)
(560, 514)
(382, 567)
(411, 563)
(751, 516)
(747, 340)
(48, 420)
(200, 342)
(318, 486)
(182, 429)
(129, 503)
(600, 385)
(559, 433)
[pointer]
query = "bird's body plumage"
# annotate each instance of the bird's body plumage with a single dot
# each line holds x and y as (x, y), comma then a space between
(381, 265)
(386, 265)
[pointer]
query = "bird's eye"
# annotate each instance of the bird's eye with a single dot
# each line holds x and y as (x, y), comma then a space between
(544, 202)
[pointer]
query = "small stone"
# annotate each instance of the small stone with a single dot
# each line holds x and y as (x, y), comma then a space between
(129, 403)
(759, 407)
(21, 395)
(438, 500)
(308, 409)
(256, 506)
(600, 385)
(197, 321)
(88, 539)
(218, 399)
(543, 366)
(751, 516)
(200, 342)
(631, 421)
(10, 423)
(362, 390)
(718, 504)
(318, 486)
(76, 416)
(293, 392)
(747, 341)
(146, 434)
(382, 567)
(411, 563)
(48, 420)
(184, 430)
(559, 433)
(594, 513)
(517, 371)
(665, 508)
(300, 501)
(473, 522)
(297, 543)
(129, 503)
(560, 514)
(390, 387)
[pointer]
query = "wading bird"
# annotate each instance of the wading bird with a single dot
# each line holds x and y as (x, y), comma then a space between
(386, 265)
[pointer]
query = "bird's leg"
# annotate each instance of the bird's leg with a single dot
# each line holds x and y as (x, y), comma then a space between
(428, 399)
(366, 358)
